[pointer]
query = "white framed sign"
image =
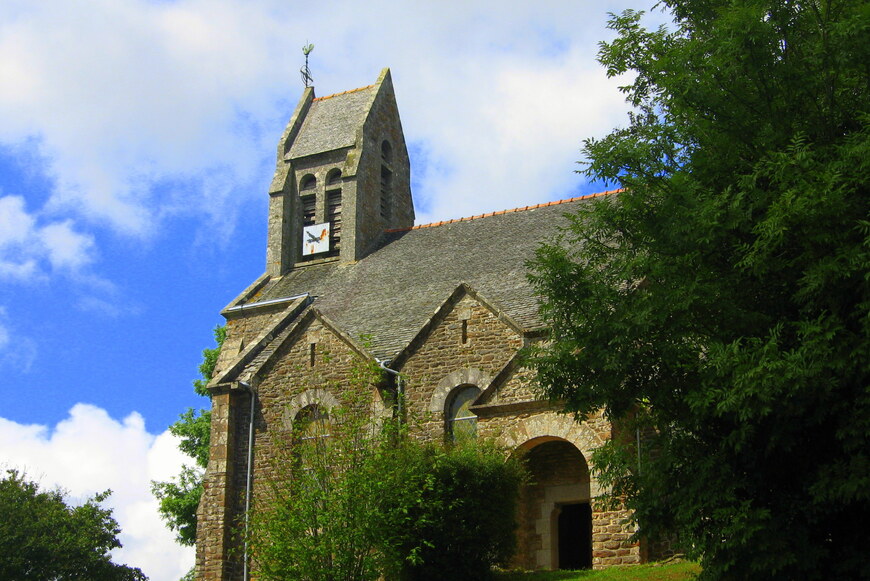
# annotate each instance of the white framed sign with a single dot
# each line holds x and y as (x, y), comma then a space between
(315, 239)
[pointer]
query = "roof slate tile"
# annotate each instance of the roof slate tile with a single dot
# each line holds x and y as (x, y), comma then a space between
(332, 122)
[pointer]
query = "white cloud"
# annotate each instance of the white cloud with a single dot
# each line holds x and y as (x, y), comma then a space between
(89, 452)
(528, 126)
(137, 104)
(126, 95)
(28, 247)
(66, 248)
(17, 352)
(112, 308)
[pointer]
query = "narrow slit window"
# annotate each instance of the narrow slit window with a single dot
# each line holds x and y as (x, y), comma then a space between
(333, 216)
(386, 192)
(308, 205)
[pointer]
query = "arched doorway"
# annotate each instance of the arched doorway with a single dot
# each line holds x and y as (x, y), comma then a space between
(555, 515)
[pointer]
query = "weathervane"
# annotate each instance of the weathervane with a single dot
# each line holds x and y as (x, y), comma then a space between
(305, 71)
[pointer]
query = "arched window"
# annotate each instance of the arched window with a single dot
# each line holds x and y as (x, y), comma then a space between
(333, 177)
(311, 425)
(308, 182)
(461, 421)
(386, 151)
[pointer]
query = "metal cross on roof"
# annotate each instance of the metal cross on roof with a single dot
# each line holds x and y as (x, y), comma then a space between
(305, 71)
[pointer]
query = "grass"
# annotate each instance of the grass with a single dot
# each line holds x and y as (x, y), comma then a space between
(682, 571)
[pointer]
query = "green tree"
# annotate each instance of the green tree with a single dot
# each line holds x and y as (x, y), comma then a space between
(179, 497)
(316, 521)
(720, 305)
(41, 537)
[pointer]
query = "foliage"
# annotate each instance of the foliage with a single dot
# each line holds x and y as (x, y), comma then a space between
(209, 361)
(720, 305)
(682, 571)
(355, 497)
(179, 497)
(315, 523)
(462, 520)
(41, 537)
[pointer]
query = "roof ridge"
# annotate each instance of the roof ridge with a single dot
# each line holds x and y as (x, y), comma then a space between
(520, 209)
(343, 93)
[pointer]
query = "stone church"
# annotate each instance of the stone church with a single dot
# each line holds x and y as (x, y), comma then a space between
(446, 305)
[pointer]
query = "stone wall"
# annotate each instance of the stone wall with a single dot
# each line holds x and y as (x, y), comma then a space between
(611, 544)
(218, 507)
(442, 358)
(242, 329)
(442, 361)
(517, 387)
(290, 382)
(659, 549)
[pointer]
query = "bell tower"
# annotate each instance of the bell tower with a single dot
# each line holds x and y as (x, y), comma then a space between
(342, 177)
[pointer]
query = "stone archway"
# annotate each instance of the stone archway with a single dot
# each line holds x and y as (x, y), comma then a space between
(326, 400)
(558, 499)
(555, 505)
(309, 397)
(468, 376)
(527, 433)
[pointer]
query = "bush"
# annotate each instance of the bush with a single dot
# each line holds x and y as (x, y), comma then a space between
(464, 520)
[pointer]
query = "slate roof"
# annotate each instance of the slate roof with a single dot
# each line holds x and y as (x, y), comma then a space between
(391, 293)
(332, 122)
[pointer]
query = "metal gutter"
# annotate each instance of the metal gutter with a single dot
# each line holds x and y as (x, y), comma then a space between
(268, 303)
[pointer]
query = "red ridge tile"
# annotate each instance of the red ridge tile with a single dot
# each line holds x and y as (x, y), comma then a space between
(499, 212)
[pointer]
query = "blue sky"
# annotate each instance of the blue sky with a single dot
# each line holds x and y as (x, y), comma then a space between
(137, 142)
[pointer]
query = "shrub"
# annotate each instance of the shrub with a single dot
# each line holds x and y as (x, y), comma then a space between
(368, 501)
(465, 519)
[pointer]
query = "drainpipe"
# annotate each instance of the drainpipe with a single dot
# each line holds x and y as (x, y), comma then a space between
(637, 432)
(247, 386)
(400, 387)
